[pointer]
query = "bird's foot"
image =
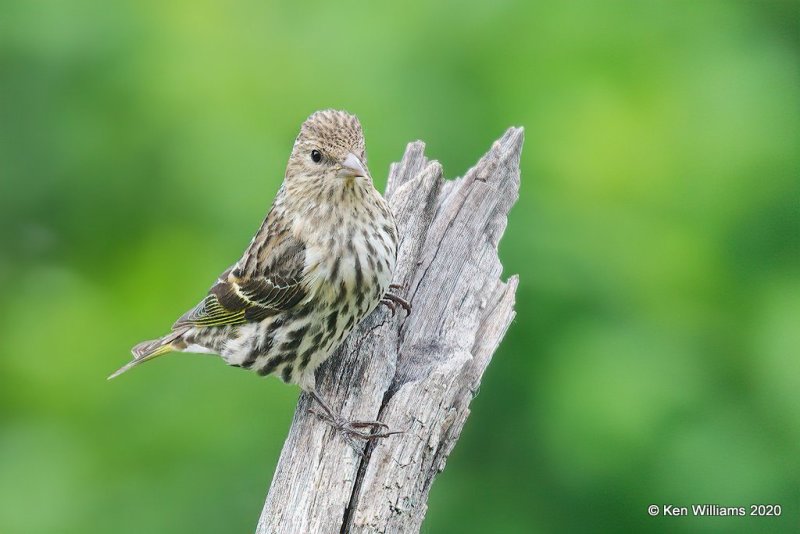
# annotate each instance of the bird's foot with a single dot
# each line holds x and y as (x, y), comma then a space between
(391, 301)
(351, 430)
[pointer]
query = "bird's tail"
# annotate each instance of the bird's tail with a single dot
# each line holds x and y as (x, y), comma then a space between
(147, 350)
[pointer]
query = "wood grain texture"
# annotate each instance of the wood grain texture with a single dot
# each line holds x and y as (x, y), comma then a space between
(416, 374)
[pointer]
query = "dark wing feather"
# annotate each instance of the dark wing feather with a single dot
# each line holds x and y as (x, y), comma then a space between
(273, 285)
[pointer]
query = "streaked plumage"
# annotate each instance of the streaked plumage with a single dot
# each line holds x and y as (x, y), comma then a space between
(322, 260)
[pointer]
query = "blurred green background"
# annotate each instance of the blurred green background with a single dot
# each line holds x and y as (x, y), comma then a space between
(654, 358)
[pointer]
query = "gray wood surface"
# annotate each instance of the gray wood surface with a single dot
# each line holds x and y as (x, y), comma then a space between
(417, 374)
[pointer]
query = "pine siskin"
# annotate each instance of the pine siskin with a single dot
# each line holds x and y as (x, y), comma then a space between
(321, 261)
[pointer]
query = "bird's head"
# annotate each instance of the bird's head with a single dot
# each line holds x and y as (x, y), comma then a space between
(329, 151)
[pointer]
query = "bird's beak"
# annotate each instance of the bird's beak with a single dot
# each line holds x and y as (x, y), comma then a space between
(352, 167)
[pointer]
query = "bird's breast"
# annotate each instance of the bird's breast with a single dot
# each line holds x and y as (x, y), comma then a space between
(356, 260)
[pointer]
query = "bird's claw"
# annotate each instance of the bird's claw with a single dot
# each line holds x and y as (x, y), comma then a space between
(389, 304)
(366, 430)
(391, 301)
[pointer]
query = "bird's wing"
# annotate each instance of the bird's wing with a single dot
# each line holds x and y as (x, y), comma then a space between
(254, 288)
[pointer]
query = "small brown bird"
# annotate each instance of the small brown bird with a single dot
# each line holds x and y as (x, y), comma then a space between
(321, 261)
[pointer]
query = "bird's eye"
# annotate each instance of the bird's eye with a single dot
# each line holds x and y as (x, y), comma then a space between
(316, 156)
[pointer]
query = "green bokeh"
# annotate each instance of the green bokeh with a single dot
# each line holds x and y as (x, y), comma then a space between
(654, 358)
